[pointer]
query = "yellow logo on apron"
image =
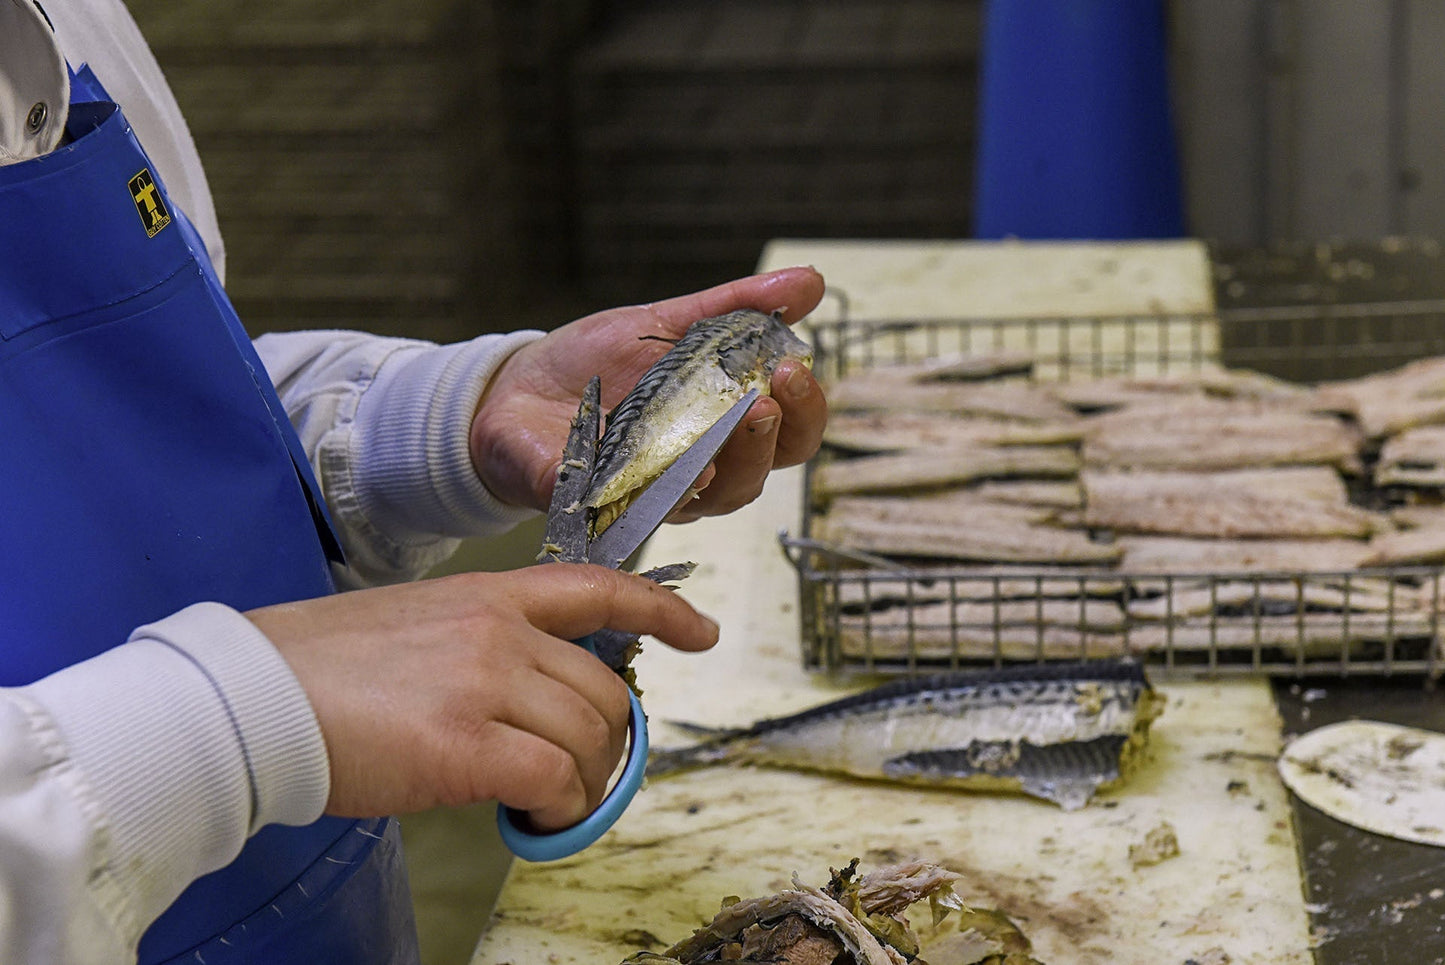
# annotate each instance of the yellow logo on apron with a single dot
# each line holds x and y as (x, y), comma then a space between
(148, 202)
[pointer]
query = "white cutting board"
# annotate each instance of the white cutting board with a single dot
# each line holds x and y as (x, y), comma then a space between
(1008, 279)
(1065, 878)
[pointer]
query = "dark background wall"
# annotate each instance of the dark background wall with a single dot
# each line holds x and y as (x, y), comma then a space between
(1312, 120)
(437, 168)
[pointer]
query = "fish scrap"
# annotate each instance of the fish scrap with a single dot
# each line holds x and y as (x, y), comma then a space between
(1059, 732)
(852, 920)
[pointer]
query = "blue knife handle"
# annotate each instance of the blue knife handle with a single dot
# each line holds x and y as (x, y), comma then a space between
(532, 846)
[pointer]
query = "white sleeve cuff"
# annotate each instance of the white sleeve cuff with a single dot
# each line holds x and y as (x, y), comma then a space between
(190, 736)
(407, 454)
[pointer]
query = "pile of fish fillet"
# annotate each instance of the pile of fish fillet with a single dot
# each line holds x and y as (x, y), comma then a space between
(1218, 508)
(853, 920)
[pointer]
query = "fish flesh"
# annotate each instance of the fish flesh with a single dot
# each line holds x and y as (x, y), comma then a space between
(985, 539)
(1310, 634)
(1100, 394)
(931, 468)
(927, 583)
(850, 921)
(890, 432)
(1415, 457)
(1317, 483)
(1226, 598)
(951, 507)
(1385, 403)
(869, 641)
(1411, 547)
(715, 363)
(1059, 732)
(1241, 504)
(1013, 629)
(1066, 494)
(1007, 400)
(1170, 554)
(1213, 435)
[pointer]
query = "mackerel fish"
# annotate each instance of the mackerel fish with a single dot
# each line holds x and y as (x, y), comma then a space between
(715, 363)
(1059, 732)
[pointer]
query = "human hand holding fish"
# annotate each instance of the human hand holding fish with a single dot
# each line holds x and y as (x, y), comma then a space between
(467, 688)
(522, 421)
(612, 492)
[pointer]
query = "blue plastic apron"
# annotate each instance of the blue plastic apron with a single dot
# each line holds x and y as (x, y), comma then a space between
(146, 464)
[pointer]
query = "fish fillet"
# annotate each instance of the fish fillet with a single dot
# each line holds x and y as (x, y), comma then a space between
(983, 540)
(953, 508)
(1388, 402)
(1409, 547)
(931, 584)
(1219, 505)
(1019, 400)
(1209, 383)
(1415, 457)
(1166, 554)
(858, 640)
(957, 367)
(1272, 597)
(880, 432)
(930, 468)
(1216, 435)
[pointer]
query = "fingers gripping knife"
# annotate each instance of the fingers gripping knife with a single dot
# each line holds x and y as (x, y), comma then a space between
(568, 540)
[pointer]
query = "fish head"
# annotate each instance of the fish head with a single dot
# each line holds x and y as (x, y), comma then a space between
(717, 362)
(750, 344)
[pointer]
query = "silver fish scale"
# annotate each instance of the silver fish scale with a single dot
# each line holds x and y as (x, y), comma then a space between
(1031, 697)
(1056, 731)
(1067, 774)
(954, 697)
(1043, 713)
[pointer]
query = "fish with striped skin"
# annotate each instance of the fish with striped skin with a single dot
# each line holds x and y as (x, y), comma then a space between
(1059, 732)
(715, 363)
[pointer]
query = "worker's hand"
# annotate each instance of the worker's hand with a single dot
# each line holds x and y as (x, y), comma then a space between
(466, 688)
(522, 422)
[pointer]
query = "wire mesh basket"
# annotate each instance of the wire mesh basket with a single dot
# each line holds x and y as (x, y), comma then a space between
(867, 612)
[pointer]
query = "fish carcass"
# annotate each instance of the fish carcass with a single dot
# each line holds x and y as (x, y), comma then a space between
(1059, 732)
(853, 920)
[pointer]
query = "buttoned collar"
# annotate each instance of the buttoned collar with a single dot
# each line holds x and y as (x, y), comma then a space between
(34, 84)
